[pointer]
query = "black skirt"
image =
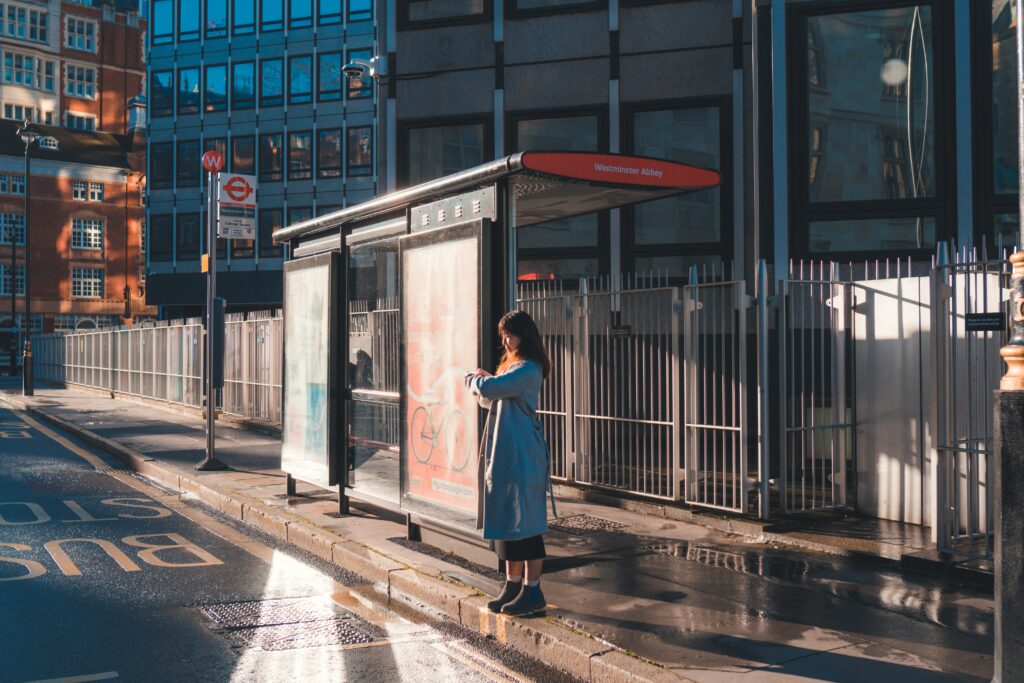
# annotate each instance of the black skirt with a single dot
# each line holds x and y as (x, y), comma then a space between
(531, 548)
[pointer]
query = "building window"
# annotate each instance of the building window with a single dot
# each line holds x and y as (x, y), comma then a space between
(161, 165)
(86, 233)
(161, 237)
(271, 15)
(12, 225)
(328, 153)
(270, 220)
(329, 12)
(25, 24)
(517, 8)
(216, 18)
(189, 163)
(300, 79)
(300, 156)
(81, 121)
(683, 230)
(188, 91)
(80, 34)
(434, 151)
(863, 140)
(17, 112)
(242, 249)
(95, 192)
(219, 145)
(360, 10)
(271, 83)
(329, 76)
(163, 22)
(189, 17)
(360, 88)
(566, 247)
(271, 157)
(243, 154)
(29, 71)
(161, 93)
(298, 214)
(87, 283)
(79, 190)
(3, 184)
(996, 174)
(360, 151)
(426, 12)
(243, 17)
(17, 184)
(300, 13)
(216, 87)
(243, 85)
(81, 81)
(19, 281)
(188, 236)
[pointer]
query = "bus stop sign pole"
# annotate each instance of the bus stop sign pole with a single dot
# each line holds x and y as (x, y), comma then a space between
(213, 162)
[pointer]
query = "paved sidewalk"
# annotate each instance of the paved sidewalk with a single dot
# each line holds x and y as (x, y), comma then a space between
(645, 598)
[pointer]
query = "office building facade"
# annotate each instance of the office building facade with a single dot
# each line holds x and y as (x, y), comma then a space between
(261, 81)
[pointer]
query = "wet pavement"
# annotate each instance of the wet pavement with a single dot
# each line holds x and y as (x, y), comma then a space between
(707, 605)
(105, 577)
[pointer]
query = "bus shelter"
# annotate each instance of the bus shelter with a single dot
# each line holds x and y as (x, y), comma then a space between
(387, 304)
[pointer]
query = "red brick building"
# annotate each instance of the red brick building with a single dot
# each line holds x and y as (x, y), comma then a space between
(85, 230)
(71, 64)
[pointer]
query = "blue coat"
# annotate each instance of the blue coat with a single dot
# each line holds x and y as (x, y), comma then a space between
(517, 478)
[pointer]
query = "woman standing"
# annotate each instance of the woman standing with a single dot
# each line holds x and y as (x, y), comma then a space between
(517, 478)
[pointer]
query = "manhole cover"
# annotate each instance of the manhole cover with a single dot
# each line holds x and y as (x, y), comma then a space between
(585, 524)
(289, 624)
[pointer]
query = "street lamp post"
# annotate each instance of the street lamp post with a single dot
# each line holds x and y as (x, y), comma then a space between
(28, 136)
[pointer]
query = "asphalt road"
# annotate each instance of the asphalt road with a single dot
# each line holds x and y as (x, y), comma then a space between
(105, 577)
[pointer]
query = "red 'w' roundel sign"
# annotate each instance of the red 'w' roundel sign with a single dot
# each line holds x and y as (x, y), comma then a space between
(213, 161)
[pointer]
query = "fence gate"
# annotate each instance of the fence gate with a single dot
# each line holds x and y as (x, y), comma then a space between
(553, 312)
(971, 325)
(815, 400)
(715, 358)
(626, 397)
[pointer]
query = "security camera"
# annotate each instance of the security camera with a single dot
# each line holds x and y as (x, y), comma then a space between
(376, 68)
(355, 69)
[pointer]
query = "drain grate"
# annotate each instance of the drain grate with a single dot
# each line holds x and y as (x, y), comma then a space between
(289, 624)
(585, 524)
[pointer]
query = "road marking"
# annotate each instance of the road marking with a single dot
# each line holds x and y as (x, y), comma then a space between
(105, 676)
(82, 515)
(93, 460)
(71, 569)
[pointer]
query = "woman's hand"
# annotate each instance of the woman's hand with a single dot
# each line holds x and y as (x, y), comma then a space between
(481, 372)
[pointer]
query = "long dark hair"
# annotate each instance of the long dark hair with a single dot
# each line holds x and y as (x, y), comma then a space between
(520, 324)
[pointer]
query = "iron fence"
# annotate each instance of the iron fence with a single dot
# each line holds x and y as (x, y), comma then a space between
(164, 362)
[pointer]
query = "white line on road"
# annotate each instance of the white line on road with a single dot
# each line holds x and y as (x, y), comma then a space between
(105, 676)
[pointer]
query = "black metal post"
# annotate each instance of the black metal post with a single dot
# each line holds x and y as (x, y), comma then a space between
(27, 388)
(210, 462)
(1008, 491)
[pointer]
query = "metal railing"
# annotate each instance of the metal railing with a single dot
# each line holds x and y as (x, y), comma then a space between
(163, 362)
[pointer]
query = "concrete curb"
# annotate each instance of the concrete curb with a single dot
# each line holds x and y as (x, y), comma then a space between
(546, 639)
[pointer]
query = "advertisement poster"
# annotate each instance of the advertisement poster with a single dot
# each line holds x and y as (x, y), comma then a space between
(305, 444)
(441, 306)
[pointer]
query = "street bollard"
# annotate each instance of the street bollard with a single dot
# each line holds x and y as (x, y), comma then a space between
(1009, 546)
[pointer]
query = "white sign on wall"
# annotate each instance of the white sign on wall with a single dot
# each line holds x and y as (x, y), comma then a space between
(236, 206)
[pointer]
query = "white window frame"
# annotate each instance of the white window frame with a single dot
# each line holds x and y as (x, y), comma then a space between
(29, 71)
(87, 283)
(15, 220)
(19, 280)
(3, 183)
(87, 233)
(80, 87)
(17, 183)
(80, 40)
(79, 190)
(95, 192)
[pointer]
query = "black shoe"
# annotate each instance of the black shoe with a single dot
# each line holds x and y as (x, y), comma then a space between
(529, 601)
(508, 594)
